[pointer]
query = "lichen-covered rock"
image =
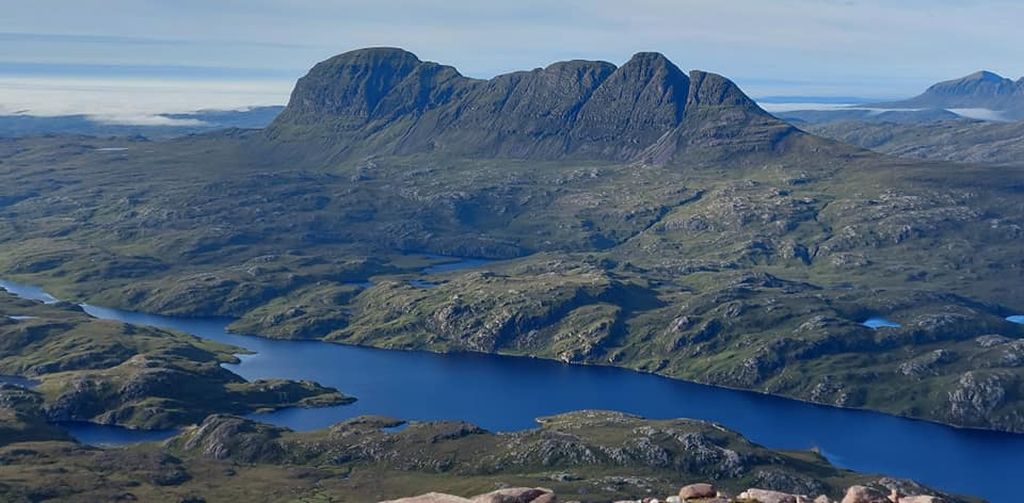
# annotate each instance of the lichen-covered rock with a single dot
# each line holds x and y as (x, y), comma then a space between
(766, 496)
(976, 397)
(865, 494)
(431, 498)
(695, 491)
(517, 495)
(224, 437)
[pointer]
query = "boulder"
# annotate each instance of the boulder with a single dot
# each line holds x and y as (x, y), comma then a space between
(517, 495)
(697, 491)
(766, 496)
(864, 494)
(431, 498)
(922, 499)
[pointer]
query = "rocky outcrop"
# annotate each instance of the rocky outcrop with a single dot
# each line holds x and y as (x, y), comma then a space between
(977, 397)
(222, 437)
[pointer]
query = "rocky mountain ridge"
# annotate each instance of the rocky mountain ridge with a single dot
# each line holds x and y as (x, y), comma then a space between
(382, 101)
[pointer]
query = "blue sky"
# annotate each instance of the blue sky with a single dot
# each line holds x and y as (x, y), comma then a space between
(870, 48)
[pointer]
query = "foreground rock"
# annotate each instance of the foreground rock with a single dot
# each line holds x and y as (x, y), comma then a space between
(862, 494)
(766, 496)
(697, 491)
(693, 493)
(509, 495)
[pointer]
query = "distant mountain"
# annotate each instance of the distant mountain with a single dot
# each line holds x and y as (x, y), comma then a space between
(387, 101)
(13, 126)
(978, 90)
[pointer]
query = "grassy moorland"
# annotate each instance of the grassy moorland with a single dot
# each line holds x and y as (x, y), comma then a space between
(753, 274)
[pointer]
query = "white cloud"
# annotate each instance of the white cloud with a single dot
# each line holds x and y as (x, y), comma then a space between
(144, 120)
(982, 114)
(138, 101)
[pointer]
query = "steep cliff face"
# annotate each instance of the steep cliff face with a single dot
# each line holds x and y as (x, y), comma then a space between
(363, 99)
(386, 101)
(641, 101)
(522, 114)
(719, 116)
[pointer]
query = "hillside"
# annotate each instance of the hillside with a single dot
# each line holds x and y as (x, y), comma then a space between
(959, 140)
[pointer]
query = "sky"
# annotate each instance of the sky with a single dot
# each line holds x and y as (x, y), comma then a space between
(133, 58)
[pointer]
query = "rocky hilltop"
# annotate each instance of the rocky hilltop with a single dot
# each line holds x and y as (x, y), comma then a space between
(386, 101)
(981, 89)
(583, 456)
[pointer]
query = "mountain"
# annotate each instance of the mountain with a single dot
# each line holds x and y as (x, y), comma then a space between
(386, 101)
(978, 90)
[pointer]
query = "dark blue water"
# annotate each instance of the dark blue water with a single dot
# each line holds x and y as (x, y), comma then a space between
(507, 393)
(879, 322)
(28, 292)
(455, 264)
(21, 382)
(450, 264)
(103, 435)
